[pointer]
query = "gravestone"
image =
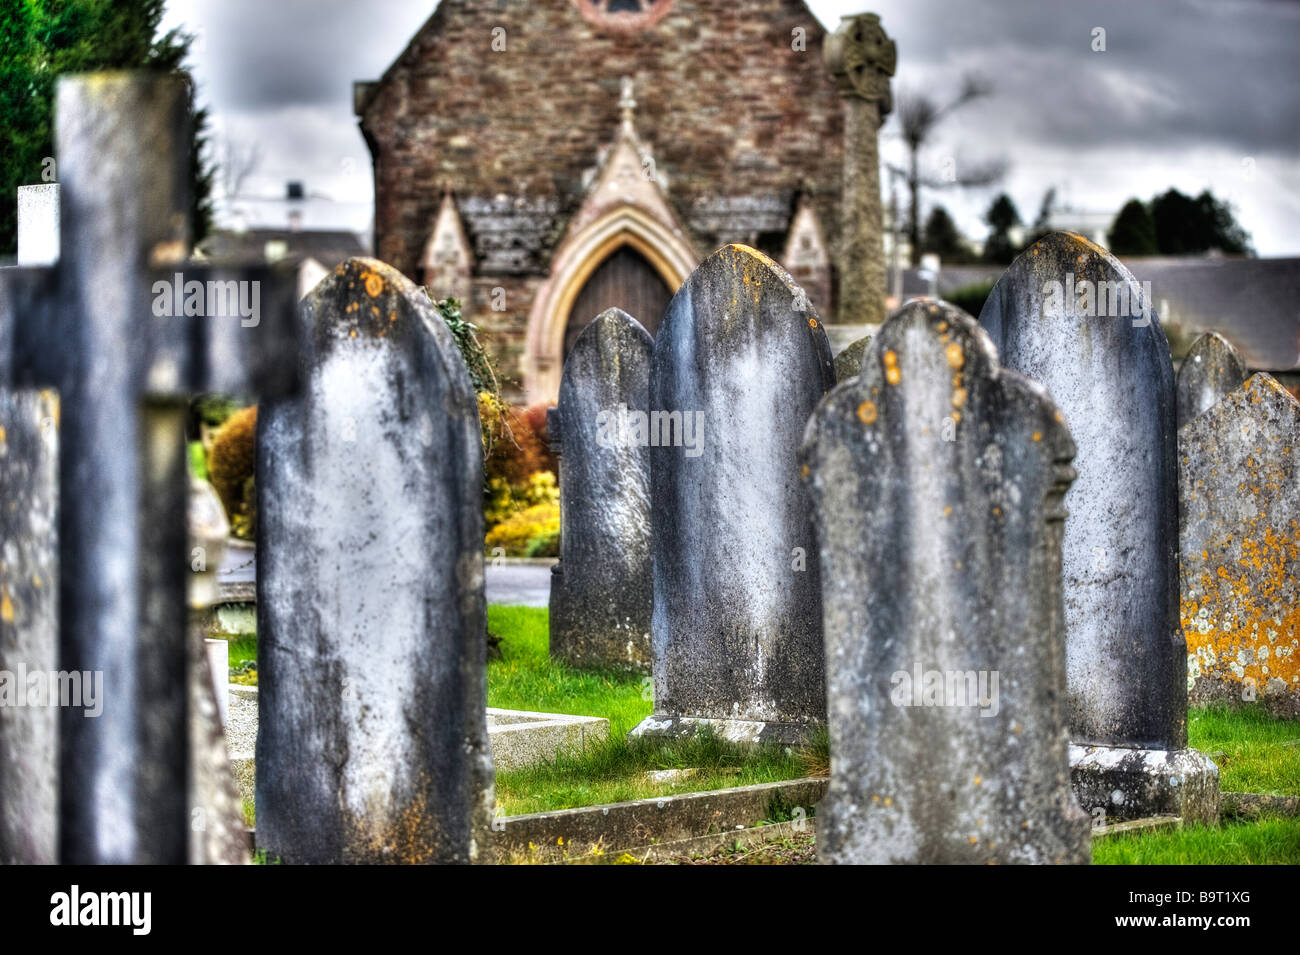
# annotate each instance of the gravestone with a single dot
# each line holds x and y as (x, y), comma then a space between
(126, 328)
(372, 744)
(1239, 484)
(217, 831)
(1212, 370)
(29, 621)
(1069, 315)
(601, 590)
(937, 480)
(739, 363)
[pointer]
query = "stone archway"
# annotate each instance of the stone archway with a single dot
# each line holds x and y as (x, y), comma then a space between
(664, 248)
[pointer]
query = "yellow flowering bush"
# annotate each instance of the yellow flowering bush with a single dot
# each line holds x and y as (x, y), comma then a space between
(532, 532)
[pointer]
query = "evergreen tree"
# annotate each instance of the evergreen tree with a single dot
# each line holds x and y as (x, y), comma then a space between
(42, 39)
(1133, 232)
(1187, 226)
(1002, 217)
(942, 237)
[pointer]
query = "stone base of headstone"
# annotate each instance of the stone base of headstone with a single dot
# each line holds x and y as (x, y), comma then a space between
(742, 732)
(584, 639)
(1132, 783)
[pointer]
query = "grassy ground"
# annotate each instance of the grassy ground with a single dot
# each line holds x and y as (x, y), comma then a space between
(1273, 841)
(526, 678)
(1254, 752)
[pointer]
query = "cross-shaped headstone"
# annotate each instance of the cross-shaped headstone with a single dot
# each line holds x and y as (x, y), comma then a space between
(126, 329)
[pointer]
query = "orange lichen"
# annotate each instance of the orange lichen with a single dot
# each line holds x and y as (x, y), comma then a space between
(956, 357)
(867, 412)
(892, 373)
(374, 284)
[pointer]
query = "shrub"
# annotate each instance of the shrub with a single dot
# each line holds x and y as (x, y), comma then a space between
(516, 533)
(971, 298)
(231, 469)
(516, 446)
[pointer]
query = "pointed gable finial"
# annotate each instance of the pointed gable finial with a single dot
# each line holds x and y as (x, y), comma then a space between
(627, 103)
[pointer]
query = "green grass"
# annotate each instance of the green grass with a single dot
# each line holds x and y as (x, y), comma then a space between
(1272, 841)
(615, 771)
(526, 678)
(1250, 748)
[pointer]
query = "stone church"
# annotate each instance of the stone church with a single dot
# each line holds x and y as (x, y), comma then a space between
(542, 160)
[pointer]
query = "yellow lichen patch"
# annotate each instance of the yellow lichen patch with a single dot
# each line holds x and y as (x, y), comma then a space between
(867, 412)
(892, 373)
(374, 283)
(803, 471)
(1240, 610)
(942, 325)
(6, 606)
(812, 323)
(947, 510)
(958, 397)
(2, 434)
(956, 357)
(1038, 436)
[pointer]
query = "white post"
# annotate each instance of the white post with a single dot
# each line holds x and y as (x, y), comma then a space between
(38, 224)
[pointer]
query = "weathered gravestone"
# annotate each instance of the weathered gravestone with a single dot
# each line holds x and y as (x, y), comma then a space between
(125, 328)
(1239, 483)
(1212, 370)
(739, 363)
(29, 635)
(937, 480)
(601, 590)
(372, 743)
(1069, 315)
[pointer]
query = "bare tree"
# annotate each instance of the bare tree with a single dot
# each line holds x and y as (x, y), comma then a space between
(918, 116)
(236, 162)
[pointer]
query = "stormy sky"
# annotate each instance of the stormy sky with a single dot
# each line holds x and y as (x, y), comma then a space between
(1193, 94)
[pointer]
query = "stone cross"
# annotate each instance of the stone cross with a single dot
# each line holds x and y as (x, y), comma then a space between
(1069, 315)
(601, 590)
(372, 636)
(862, 59)
(739, 363)
(937, 479)
(1239, 489)
(1212, 370)
(126, 329)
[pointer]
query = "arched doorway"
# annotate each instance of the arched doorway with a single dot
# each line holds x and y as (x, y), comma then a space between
(626, 280)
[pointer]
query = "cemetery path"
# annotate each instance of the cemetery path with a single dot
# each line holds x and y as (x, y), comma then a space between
(527, 585)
